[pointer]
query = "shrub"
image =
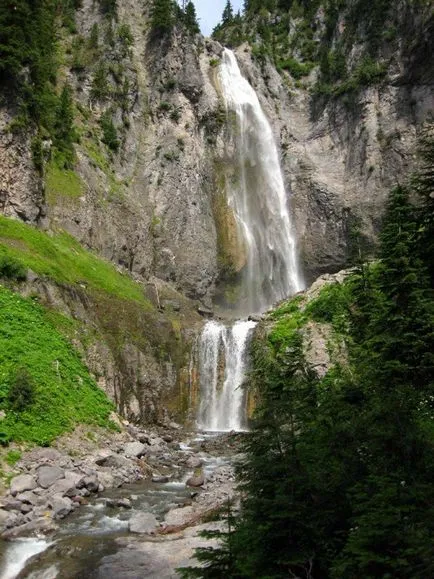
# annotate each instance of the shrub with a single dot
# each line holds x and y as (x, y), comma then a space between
(110, 135)
(22, 391)
(12, 268)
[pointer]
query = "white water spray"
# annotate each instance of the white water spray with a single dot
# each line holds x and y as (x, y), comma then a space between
(259, 203)
(222, 368)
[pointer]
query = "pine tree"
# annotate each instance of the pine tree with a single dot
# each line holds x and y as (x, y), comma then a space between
(162, 20)
(190, 18)
(228, 13)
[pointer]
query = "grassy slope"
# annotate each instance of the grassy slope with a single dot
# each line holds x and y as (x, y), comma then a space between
(61, 258)
(65, 394)
(32, 337)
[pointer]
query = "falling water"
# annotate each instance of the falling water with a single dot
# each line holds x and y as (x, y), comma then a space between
(259, 203)
(222, 363)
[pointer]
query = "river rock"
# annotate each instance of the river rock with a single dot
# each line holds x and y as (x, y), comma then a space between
(160, 479)
(194, 462)
(134, 450)
(64, 487)
(21, 483)
(91, 483)
(113, 461)
(26, 508)
(48, 475)
(4, 516)
(61, 506)
(11, 506)
(179, 517)
(143, 523)
(40, 525)
(196, 481)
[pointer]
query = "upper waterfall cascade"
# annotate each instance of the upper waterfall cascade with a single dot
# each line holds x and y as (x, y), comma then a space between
(258, 198)
(259, 203)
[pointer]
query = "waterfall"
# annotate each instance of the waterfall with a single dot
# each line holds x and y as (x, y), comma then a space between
(258, 198)
(259, 204)
(222, 363)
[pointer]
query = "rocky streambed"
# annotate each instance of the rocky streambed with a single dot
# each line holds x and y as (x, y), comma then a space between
(124, 505)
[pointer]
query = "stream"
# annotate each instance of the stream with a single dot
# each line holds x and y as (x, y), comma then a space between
(95, 540)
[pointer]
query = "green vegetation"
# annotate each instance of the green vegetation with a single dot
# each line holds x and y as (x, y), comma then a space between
(11, 268)
(349, 41)
(163, 18)
(29, 64)
(61, 183)
(44, 387)
(62, 259)
(337, 481)
(110, 135)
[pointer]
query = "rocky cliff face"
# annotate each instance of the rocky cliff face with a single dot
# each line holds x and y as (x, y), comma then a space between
(152, 199)
(151, 206)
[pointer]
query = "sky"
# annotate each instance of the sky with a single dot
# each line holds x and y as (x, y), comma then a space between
(209, 12)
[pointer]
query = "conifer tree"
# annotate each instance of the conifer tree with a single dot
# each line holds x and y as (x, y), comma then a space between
(162, 20)
(190, 18)
(228, 13)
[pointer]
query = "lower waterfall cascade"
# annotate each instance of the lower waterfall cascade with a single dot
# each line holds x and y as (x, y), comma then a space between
(259, 203)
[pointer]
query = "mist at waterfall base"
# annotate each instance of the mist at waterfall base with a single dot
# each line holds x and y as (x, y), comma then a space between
(258, 200)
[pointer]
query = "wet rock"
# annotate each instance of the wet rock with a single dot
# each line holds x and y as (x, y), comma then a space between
(134, 450)
(121, 503)
(21, 483)
(196, 481)
(91, 483)
(205, 312)
(61, 506)
(194, 462)
(48, 475)
(160, 479)
(40, 525)
(143, 523)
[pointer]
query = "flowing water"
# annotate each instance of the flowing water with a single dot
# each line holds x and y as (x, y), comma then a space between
(89, 541)
(259, 203)
(222, 408)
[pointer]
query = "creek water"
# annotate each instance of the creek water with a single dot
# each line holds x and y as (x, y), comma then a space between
(259, 203)
(89, 540)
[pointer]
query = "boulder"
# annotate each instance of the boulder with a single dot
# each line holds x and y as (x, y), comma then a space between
(113, 461)
(194, 462)
(11, 506)
(196, 481)
(160, 479)
(22, 483)
(48, 475)
(134, 449)
(178, 517)
(91, 483)
(143, 523)
(35, 527)
(64, 487)
(61, 506)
